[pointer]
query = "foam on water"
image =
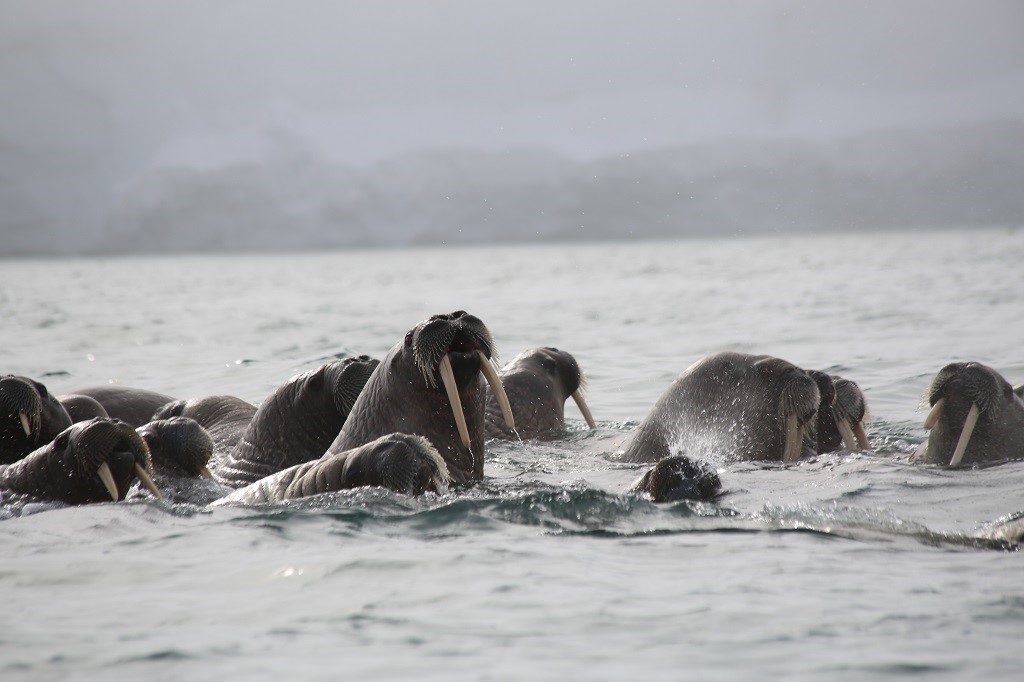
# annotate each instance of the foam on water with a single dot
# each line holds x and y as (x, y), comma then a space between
(843, 567)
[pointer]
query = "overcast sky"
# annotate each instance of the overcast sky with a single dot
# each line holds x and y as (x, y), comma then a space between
(159, 79)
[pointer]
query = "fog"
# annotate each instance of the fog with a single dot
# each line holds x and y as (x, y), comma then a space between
(191, 125)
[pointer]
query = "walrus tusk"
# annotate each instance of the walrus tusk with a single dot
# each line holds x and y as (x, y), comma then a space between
(205, 473)
(24, 423)
(108, 480)
(498, 389)
(577, 395)
(147, 482)
(933, 415)
(965, 435)
(448, 377)
(847, 433)
(794, 440)
(862, 436)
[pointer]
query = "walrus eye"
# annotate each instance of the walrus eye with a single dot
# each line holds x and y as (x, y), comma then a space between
(408, 339)
(61, 442)
(40, 389)
(316, 381)
(549, 365)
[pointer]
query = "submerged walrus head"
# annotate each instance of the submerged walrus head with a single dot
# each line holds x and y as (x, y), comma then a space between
(976, 417)
(92, 461)
(30, 417)
(538, 382)
(431, 385)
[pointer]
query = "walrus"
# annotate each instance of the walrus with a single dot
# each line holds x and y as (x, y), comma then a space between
(679, 478)
(30, 417)
(399, 462)
(297, 423)
(135, 406)
(842, 411)
(82, 407)
(431, 384)
(537, 383)
(733, 406)
(976, 417)
(178, 446)
(224, 417)
(91, 461)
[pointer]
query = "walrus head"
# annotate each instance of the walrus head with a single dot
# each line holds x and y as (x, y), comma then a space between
(92, 461)
(797, 402)
(430, 385)
(538, 382)
(975, 416)
(29, 417)
(841, 414)
(178, 446)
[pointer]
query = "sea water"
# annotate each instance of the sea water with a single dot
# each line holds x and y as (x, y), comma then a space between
(848, 566)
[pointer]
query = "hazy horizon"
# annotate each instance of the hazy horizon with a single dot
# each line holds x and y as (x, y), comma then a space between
(109, 104)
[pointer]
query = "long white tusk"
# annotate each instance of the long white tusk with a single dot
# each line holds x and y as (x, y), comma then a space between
(965, 435)
(205, 473)
(933, 415)
(448, 377)
(108, 480)
(498, 389)
(24, 423)
(849, 442)
(147, 482)
(794, 440)
(862, 435)
(577, 395)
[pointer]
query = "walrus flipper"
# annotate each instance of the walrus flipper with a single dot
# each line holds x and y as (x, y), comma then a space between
(400, 462)
(679, 478)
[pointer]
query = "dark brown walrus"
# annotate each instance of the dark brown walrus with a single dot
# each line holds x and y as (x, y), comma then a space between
(91, 461)
(417, 425)
(731, 406)
(537, 383)
(976, 417)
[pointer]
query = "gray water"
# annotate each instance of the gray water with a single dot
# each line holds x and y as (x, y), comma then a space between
(850, 566)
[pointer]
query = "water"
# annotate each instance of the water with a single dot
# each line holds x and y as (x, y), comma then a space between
(846, 567)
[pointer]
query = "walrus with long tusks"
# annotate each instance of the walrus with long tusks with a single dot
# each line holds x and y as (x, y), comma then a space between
(537, 383)
(730, 406)
(432, 384)
(297, 423)
(842, 412)
(135, 406)
(92, 461)
(30, 417)
(976, 417)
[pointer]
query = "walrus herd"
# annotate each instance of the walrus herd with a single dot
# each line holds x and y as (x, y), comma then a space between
(418, 421)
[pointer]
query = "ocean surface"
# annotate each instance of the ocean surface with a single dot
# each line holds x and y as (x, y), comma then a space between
(846, 567)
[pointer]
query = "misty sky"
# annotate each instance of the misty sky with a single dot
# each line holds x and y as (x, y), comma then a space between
(186, 79)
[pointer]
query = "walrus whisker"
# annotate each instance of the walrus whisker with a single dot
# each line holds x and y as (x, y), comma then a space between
(581, 403)
(147, 482)
(965, 435)
(862, 435)
(448, 378)
(499, 390)
(933, 415)
(849, 442)
(108, 480)
(794, 439)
